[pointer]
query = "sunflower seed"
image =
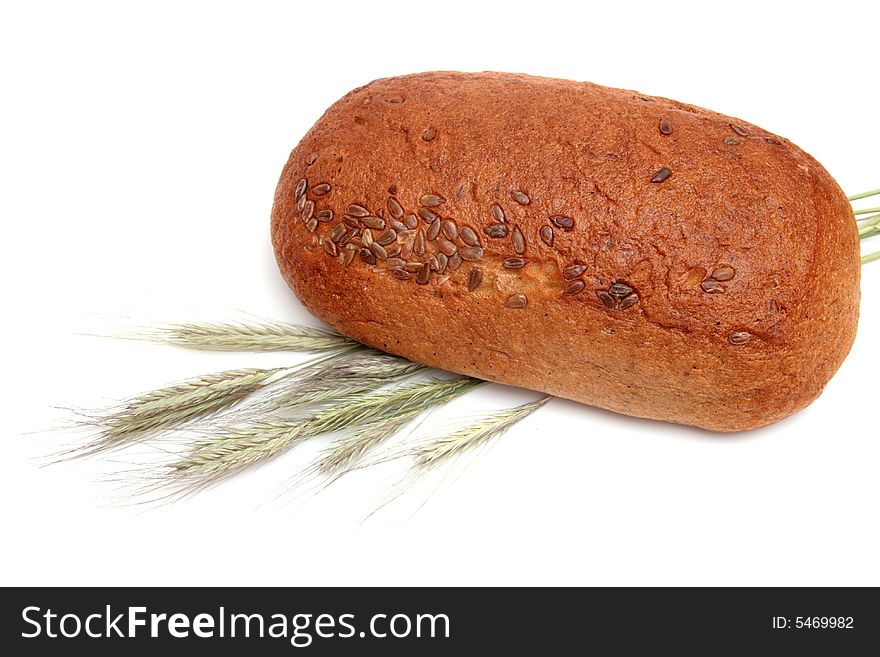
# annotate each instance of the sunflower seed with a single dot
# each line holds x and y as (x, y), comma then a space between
(454, 262)
(324, 215)
(351, 234)
(516, 301)
(407, 249)
(496, 230)
(468, 236)
(474, 279)
(308, 210)
(357, 242)
(665, 127)
(739, 337)
(397, 225)
(394, 208)
(573, 271)
(373, 222)
(620, 290)
(301, 203)
(393, 249)
(378, 250)
(520, 197)
(401, 274)
(514, 263)
(661, 175)
(712, 287)
(367, 236)
(446, 246)
(732, 140)
(419, 245)
(358, 211)
(498, 213)
(519, 241)
(565, 223)
(427, 216)
(412, 267)
(395, 263)
(573, 287)
(320, 190)
(428, 134)
(312, 158)
(470, 253)
(330, 247)
(547, 235)
(312, 225)
(606, 299)
(629, 301)
(386, 237)
(367, 256)
(300, 188)
(410, 221)
(431, 200)
(351, 222)
(347, 257)
(433, 231)
(723, 273)
(738, 129)
(423, 274)
(432, 260)
(442, 261)
(337, 232)
(450, 229)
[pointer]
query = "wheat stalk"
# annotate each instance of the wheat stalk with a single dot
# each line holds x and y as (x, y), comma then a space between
(870, 228)
(266, 335)
(445, 446)
(868, 222)
(233, 450)
(173, 406)
(856, 197)
(344, 376)
(435, 450)
(347, 450)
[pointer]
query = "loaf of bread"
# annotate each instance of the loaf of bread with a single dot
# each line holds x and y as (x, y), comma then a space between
(629, 252)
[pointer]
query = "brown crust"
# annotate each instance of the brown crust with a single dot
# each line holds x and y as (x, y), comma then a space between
(727, 355)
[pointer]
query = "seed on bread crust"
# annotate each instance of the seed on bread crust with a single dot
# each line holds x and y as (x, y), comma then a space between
(474, 279)
(520, 197)
(661, 175)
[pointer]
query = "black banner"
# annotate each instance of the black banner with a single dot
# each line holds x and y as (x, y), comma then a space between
(437, 621)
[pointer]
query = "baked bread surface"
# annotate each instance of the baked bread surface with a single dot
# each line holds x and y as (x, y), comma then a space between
(633, 253)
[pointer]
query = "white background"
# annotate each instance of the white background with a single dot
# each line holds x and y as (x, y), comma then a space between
(140, 144)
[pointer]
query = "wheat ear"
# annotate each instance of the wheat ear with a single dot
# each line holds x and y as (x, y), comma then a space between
(266, 335)
(235, 449)
(173, 406)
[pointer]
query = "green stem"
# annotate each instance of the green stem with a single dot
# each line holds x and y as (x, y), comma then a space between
(871, 257)
(870, 217)
(873, 192)
(866, 211)
(869, 231)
